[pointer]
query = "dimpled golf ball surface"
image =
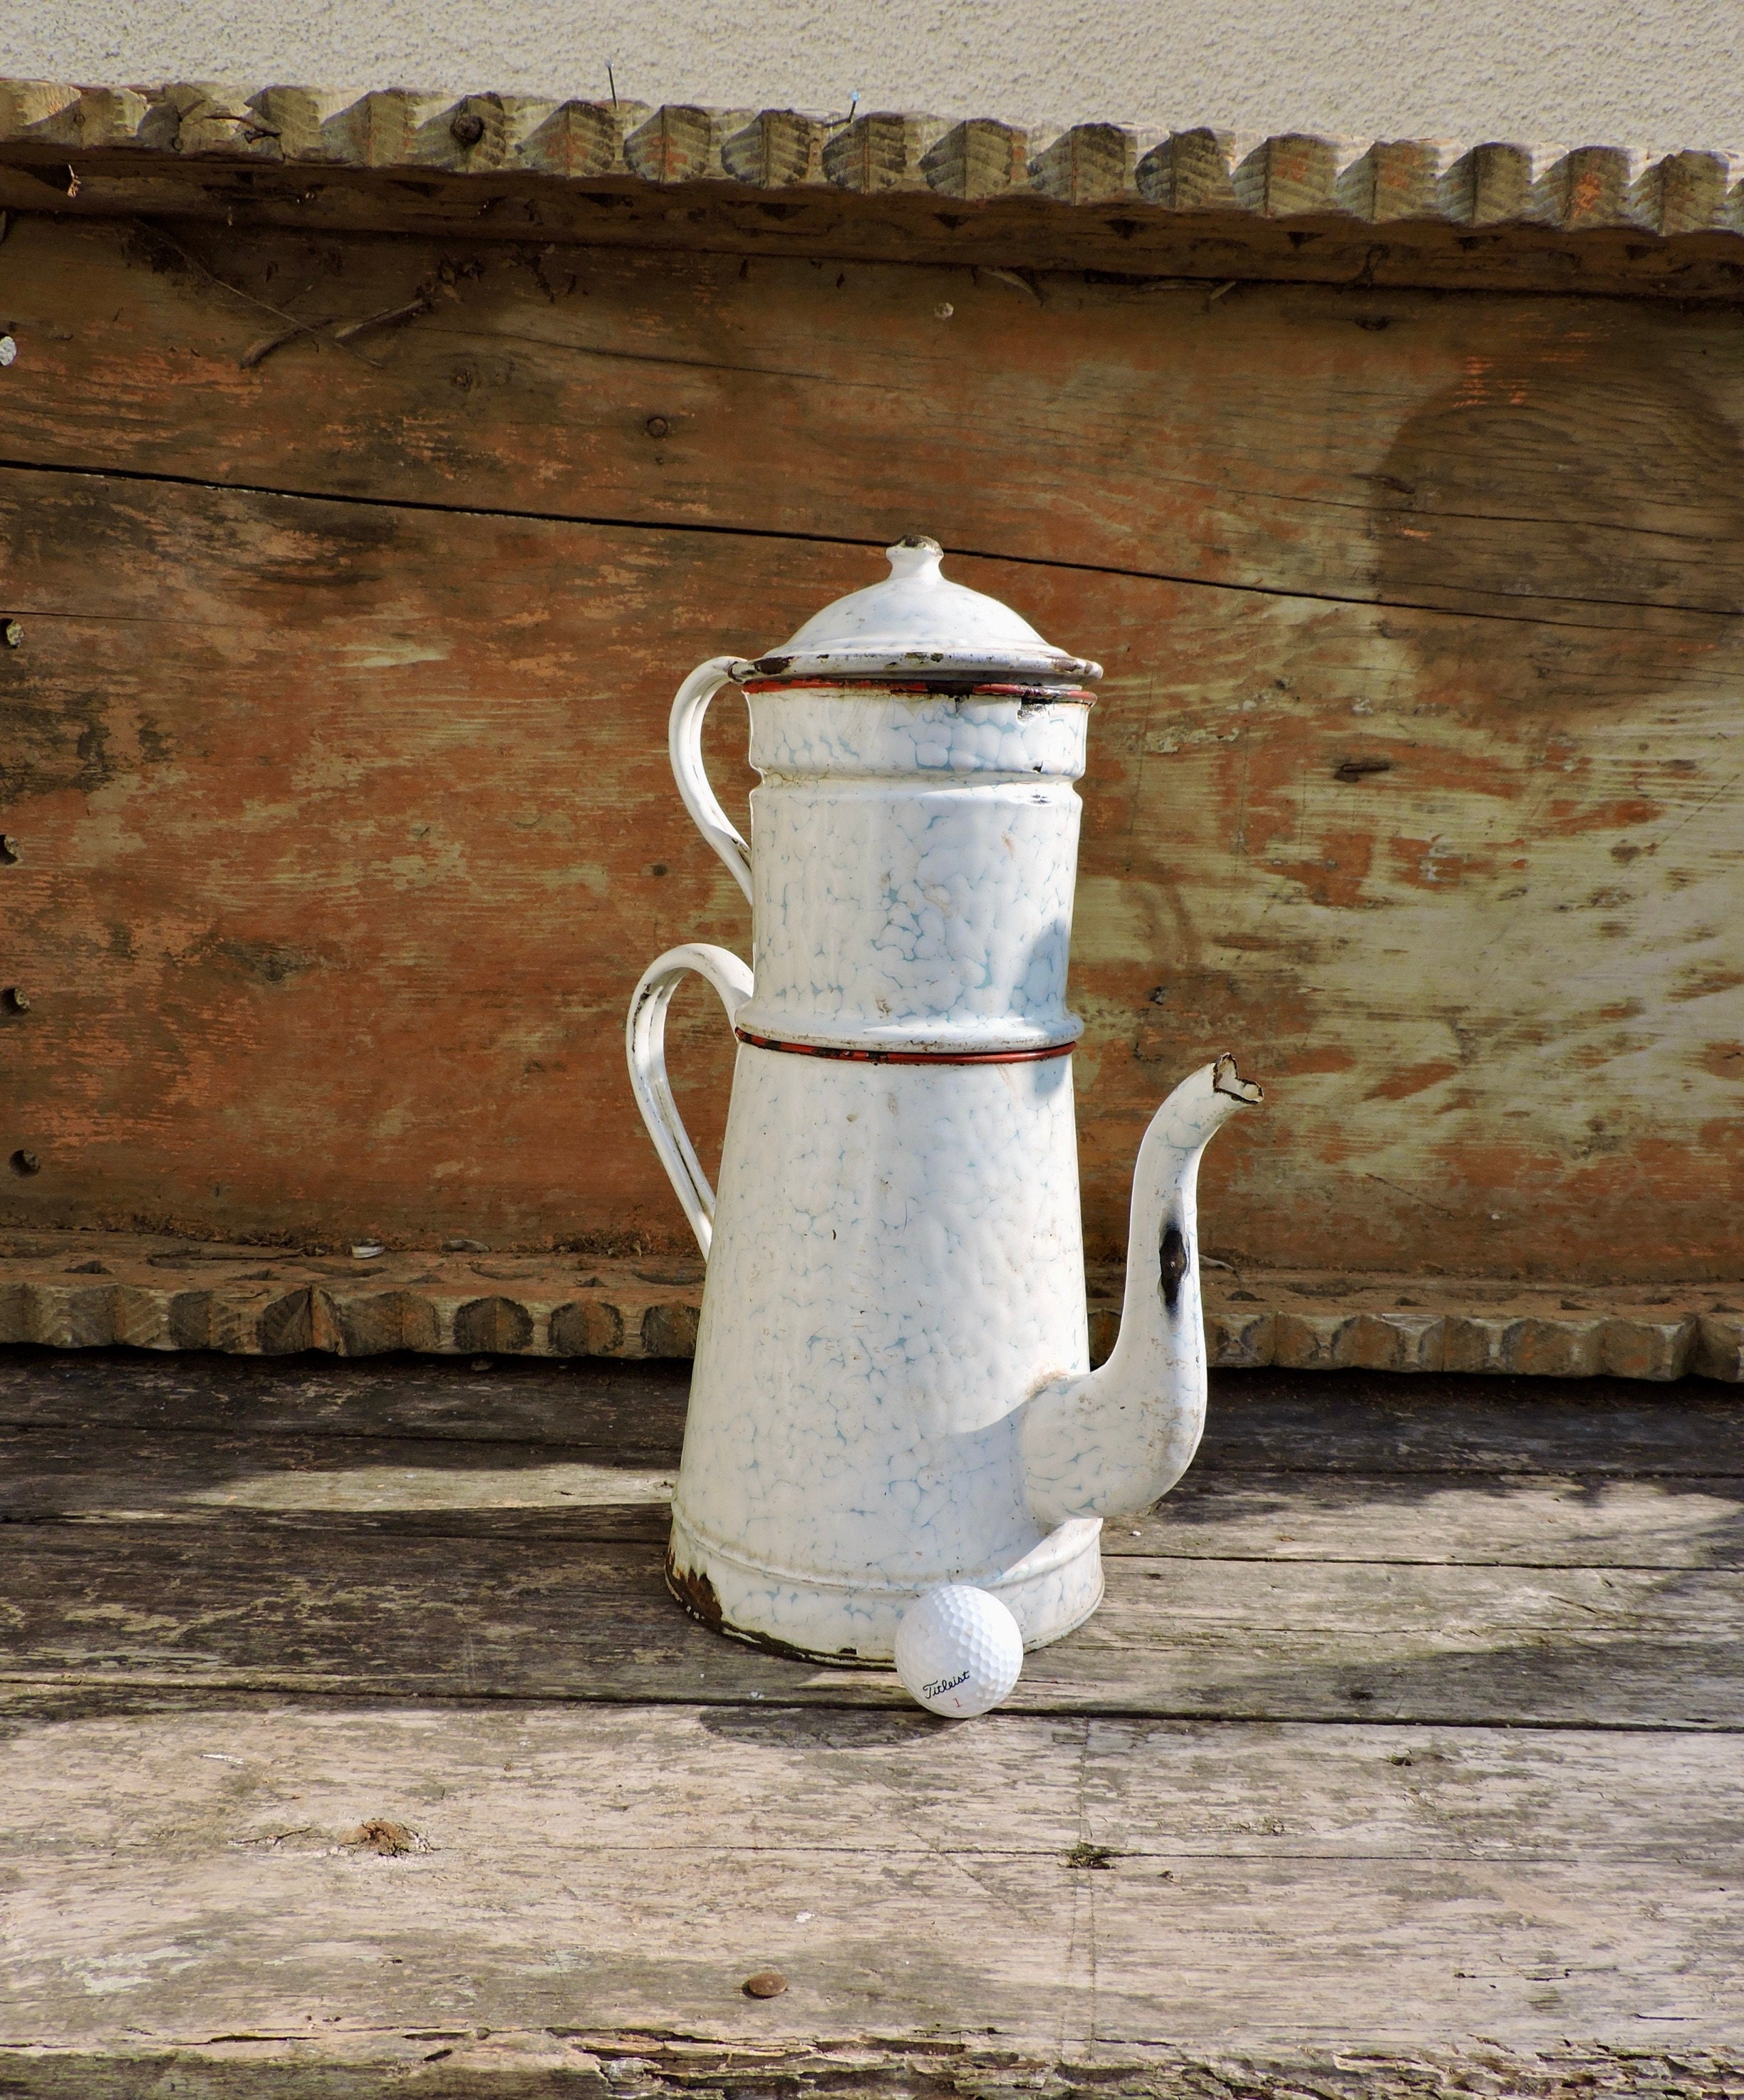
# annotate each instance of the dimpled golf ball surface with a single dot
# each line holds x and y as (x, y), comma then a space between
(958, 1651)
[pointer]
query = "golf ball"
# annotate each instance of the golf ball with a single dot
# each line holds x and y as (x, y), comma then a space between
(958, 1651)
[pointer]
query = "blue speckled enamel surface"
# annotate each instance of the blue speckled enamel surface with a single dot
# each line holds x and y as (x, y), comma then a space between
(892, 1388)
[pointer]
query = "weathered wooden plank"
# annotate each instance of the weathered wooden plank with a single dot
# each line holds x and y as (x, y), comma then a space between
(445, 1485)
(500, 1490)
(1145, 1789)
(515, 169)
(479, 135)
(1263, 1423)
(1554, 1123)
(1606, 1429)
(1296, 1888)
(539, 2064)
(606, 1413)
(1396, 447)
(412, 1617)
(1287, 1516)
(1273, 1901)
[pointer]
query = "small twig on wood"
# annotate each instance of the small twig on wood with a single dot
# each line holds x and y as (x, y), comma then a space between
(1011, 277)
(382, 319)
(236, 292)
(256, 351)
(1221, 292)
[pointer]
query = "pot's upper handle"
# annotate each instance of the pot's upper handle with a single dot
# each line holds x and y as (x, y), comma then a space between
(645, 1042)
(685, 741)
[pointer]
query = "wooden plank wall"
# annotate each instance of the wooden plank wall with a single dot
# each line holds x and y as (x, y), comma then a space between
(334, 748)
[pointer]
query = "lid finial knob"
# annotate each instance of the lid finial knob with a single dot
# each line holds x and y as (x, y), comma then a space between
(916, 556)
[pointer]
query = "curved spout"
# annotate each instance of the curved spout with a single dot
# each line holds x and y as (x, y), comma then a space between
(1115, 1440)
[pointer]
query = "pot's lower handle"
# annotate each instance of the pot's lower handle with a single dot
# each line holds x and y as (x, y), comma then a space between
(645, 1043)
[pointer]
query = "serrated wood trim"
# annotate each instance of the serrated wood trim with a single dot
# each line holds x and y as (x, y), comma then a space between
(1092, 163)
(1190, 171)
(160, 1295)
(1379, 182)
(436, 144)
(880, 153)
(1590, 187)
(574, 140)
(44, 113)
(680, 143)
(1684, 193)
(1287, 177)
(295, 116)
(777, 149)
(376, 131)
(1489, 185)
(978, 158)
(212, 119)
(1398, 179)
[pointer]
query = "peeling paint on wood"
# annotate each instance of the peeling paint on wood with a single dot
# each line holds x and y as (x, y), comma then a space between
(341, 817)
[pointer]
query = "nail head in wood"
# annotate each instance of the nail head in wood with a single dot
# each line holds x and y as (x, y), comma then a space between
(766, 1983)
(1350, 769)
(467, 128)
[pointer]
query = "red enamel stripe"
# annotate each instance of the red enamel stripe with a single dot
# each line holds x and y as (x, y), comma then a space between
(855, 1057)
(1078, 695)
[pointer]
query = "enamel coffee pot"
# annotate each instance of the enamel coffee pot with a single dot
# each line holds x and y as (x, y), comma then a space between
(892, 1386)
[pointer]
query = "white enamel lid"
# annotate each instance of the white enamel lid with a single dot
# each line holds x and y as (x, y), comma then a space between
(917, 623)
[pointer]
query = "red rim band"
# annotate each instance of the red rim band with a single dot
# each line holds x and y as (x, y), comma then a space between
(1078, 695)
(855, 1057)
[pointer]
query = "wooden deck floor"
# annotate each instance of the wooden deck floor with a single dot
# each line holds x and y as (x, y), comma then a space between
(1403, 1757)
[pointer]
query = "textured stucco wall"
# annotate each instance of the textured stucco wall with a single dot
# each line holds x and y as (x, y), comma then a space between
(1659, 74)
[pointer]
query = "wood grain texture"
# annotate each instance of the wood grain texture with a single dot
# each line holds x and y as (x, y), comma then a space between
(406, 1616)
(503, 1488)
(247, 923)
(1368, 1423)
(1295, 1888)
(1335, 442)
(344, 823)
(257, 1610)
(295, 1601)
(1291, 206)
(424, 1531)
(617, 2064)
